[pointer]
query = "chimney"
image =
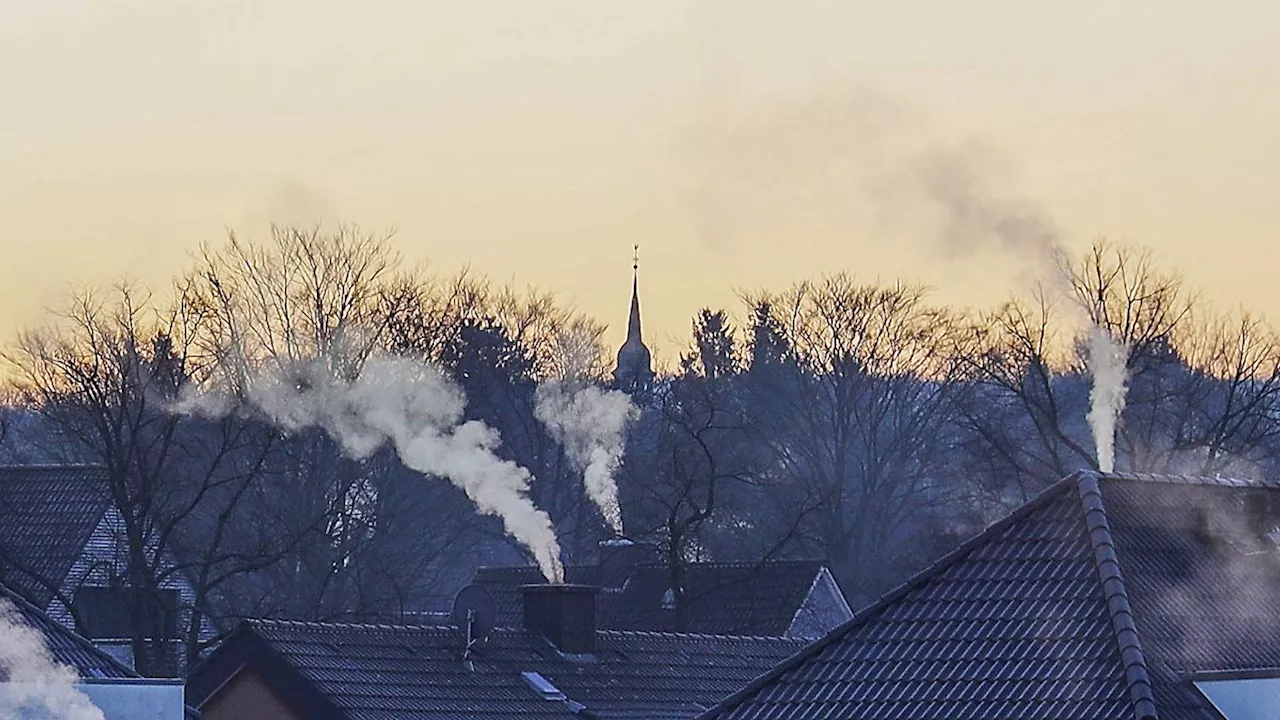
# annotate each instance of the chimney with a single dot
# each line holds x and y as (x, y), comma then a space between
(619, 558)
(562, 613)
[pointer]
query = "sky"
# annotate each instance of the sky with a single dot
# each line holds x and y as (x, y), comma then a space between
(741, 143)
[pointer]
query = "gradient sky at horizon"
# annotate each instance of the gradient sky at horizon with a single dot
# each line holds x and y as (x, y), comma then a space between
(740, 143)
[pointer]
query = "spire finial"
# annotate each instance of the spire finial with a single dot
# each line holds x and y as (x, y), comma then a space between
(635, 257)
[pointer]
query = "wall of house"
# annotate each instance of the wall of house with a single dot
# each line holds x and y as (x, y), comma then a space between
(823, 609)
(101, 561)
(132, 699)
(247, 695)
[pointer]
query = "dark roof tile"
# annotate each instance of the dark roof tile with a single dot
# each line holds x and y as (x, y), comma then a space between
(49, 513)
(66, 647)
(377, 672)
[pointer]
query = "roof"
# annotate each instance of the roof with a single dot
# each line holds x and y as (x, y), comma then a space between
(66, 647)
(50, 513)
(377, 672)
(1102, 598)
(722, 598)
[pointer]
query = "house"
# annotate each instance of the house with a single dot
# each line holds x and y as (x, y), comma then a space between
(62, 547)
(555, 664)
(1116, 596)
(108, 684)
(774, 598)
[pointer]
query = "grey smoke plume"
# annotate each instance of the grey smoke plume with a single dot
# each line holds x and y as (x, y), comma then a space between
(958, 180)
(31, 681)
(419, 411)
(1107, 361)
(589, 423)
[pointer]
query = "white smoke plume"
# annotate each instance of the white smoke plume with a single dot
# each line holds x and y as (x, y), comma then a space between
(1107, 362)
(32, 683)
(419, 411)
(589, 423)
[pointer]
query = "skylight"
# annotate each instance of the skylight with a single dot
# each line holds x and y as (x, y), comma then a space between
(1253, 699)
(542, 686)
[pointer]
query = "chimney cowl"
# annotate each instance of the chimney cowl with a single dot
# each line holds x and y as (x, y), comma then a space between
(563, 613)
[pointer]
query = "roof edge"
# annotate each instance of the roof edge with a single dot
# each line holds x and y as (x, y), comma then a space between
(879, 606)
(1116, 595)
(20, 603)
(1225, 481)
(52, 466)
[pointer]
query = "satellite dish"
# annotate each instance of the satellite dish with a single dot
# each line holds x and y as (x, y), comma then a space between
(474, 613)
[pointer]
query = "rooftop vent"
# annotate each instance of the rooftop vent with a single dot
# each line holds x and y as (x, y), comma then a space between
(549, 692)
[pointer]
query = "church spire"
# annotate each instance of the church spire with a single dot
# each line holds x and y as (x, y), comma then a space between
(634, 371)
(633, 324)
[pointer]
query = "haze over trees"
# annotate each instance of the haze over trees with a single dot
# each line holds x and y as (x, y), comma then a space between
(859, 423)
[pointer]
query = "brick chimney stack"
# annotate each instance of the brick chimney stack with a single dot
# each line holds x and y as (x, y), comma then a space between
(563, 613)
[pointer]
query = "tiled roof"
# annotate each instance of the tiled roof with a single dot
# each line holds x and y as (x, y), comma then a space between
(722, 598)
(66, 647)
(49, 514)
(1199, 606)
(379, 672)
(1099, 599)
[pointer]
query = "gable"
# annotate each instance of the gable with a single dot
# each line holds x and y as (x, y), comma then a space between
(823, 610)
(248, 695)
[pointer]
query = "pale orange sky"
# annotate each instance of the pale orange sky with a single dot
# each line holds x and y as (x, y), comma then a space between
(740, 143)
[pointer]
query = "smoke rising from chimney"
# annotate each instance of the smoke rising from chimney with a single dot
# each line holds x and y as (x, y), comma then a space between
(589, 423)
(956, 180)
(1107, 362)
(419, 411)
(31, 680)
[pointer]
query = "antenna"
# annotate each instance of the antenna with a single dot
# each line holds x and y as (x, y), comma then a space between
(474, 613)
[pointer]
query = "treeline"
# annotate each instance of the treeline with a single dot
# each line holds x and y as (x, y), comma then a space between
(861, 424)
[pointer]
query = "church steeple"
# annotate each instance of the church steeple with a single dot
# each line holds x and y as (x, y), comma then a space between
(634, 371)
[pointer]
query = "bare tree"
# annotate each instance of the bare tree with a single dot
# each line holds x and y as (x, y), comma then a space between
(101, 375)
(852, 381)
(1201, 388)
(1022, 417)
(498, 344)
(335, 297)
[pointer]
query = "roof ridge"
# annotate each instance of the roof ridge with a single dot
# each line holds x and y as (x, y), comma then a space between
(1137, 679)
(659, 563)
(1183, 479)
(52, 466)
(267, 623)
(887, 599)
(323, 624)
(695, 636)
